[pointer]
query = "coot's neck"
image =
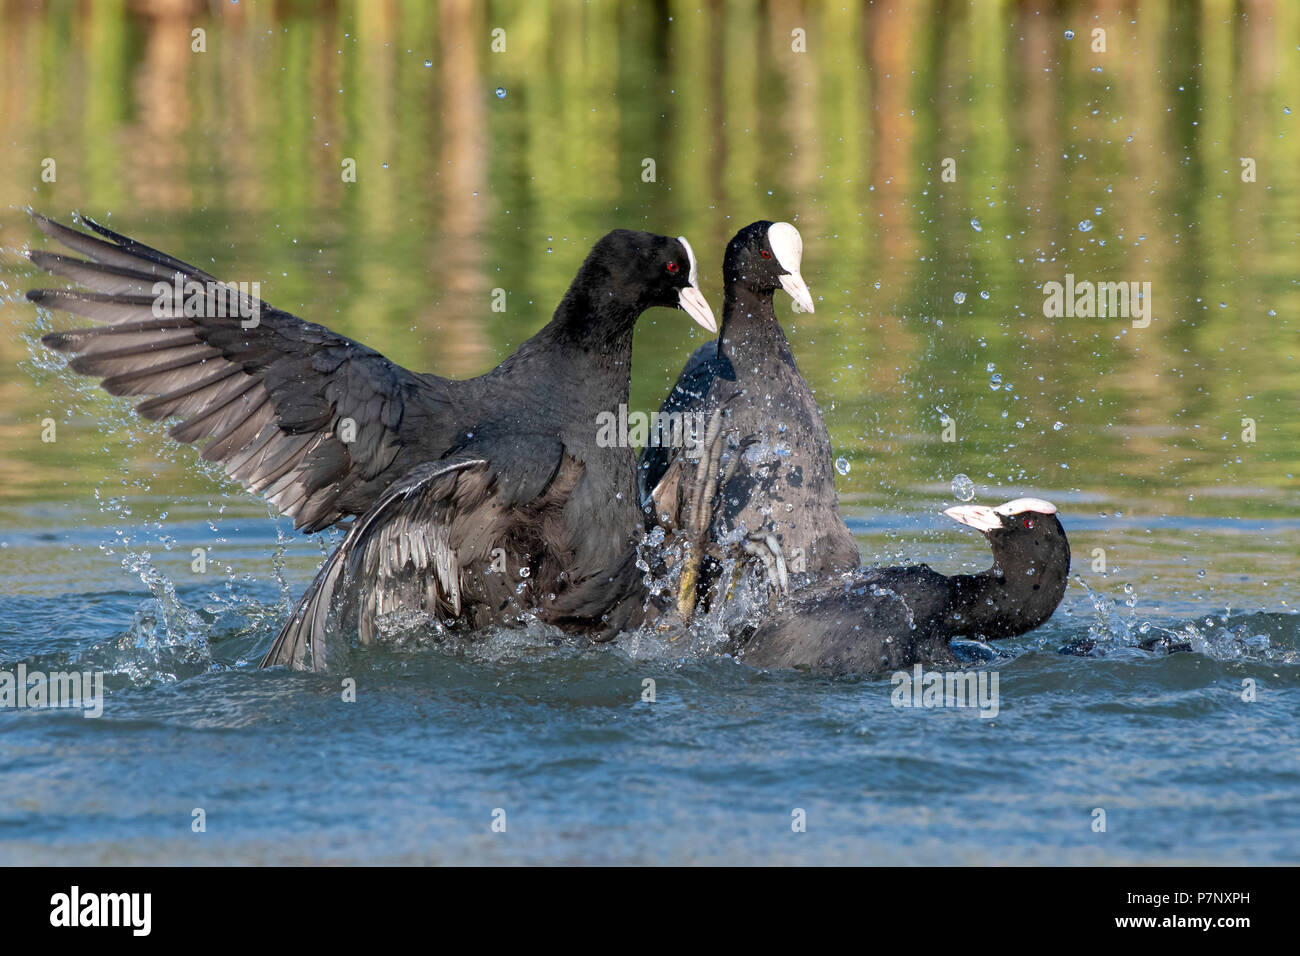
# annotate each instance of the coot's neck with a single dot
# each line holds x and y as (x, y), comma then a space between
(1014, 596)
(588, 342)
(750, 335)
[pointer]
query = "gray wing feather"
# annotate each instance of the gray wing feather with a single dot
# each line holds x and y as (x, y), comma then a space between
(383, 564)
(270, 401)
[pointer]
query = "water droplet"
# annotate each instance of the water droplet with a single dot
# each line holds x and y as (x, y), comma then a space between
(984, 296)
(1085, 226)
(428, 64)
(1057, 426)
(842, 465)
(963, 489)
(995, 382)
(959, 297)
(501, 92)
(1069, 34)
(975, 224)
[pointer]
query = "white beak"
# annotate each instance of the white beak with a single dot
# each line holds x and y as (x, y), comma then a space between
(692, 301)
(977, 516)
(798, 289)
(787, 246)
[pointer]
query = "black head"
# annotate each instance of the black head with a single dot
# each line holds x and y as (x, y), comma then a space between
(1031, 562)
(638, 270)
(766, 256)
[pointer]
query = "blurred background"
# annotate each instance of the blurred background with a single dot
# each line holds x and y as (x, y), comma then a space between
(478, 170)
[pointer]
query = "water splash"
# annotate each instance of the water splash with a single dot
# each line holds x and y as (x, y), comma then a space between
(1117, 625)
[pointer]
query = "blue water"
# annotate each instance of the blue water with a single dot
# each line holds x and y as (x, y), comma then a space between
(929, 306)
(586, 771)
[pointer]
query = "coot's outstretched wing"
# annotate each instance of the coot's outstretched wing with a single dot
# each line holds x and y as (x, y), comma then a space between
(429, 542)
(310, 420)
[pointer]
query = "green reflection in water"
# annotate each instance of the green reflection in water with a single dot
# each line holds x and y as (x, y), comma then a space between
(232, 159)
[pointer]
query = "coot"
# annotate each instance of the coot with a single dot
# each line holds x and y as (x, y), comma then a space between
(778, 484)
(881, 619)
(475, 501)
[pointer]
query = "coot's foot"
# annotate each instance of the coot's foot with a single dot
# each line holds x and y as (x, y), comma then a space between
(768, 550)
(704, 504)
(701, 499)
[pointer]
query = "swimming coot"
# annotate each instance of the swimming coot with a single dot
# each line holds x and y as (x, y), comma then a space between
(779, 485)
(881, 619)
(474, 501)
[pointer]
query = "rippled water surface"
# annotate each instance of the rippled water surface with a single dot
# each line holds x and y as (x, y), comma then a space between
(1171, 449)
(587, 771)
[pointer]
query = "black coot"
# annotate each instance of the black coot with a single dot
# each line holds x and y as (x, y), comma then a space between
(474, 500)
(881, 619)
(780, 482)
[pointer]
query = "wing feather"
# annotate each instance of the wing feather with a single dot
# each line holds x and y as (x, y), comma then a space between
(269, 399)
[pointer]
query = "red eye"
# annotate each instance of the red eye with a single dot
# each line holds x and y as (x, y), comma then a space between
(672, 267)
(765, 254)
(1029, 523)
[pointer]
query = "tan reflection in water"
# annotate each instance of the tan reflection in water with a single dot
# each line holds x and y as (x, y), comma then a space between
(458, 255)
(157, 138)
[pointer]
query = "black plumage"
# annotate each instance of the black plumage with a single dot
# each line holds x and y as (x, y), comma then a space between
(449, 481)
(881, 619)
(777, 480)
